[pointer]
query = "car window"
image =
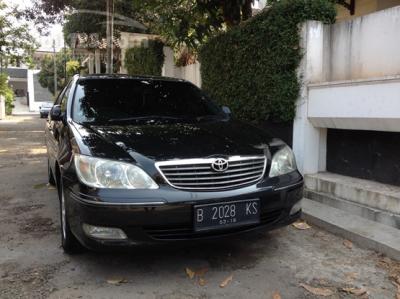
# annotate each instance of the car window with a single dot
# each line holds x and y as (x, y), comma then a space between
(104, 100)
(64, 98)
(60, 95)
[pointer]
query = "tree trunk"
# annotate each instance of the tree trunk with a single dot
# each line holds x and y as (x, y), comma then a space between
(231, 12)
(247, 10)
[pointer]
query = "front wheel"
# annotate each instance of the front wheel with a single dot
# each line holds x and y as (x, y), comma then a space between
(69, 242)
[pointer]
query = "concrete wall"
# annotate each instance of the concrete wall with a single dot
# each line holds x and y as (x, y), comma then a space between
(33, 105)
(351, 80)
(190, 72)
(365, 47)
(2, 107)
(358, 105)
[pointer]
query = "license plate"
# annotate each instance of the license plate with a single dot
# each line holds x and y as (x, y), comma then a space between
(226, 215)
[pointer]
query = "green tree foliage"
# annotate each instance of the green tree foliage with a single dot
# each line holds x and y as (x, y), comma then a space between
(73, 67)
(7, 92)
(147, 59)
(180, 22)
(191, 22)
(16, 43)
(65, 69)
(252, 67)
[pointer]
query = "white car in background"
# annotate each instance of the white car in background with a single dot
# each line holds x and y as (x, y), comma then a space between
(45, 108)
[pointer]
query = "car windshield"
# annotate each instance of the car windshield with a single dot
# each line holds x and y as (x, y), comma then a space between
(120, 100)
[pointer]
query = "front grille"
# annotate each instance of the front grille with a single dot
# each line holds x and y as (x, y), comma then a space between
(181, 232)
(199, 175)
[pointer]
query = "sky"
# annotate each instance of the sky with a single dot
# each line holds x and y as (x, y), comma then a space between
(55, 31)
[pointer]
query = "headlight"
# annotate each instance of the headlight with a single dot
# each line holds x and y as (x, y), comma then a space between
(101, 173)
(283, 162)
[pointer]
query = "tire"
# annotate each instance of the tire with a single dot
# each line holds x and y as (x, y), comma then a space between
(69, 242)
(50, 175)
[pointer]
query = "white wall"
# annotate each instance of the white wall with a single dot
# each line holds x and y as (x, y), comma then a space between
(2, 107)
(368, 104)
(364, 47)
(33, 106)
(351, 80)
(190, 72)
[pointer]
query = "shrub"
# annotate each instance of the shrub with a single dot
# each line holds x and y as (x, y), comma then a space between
(147, 59)
(252, 68)
(7, 92)
(73, 67)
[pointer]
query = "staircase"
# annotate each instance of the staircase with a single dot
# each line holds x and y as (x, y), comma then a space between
(363, 211)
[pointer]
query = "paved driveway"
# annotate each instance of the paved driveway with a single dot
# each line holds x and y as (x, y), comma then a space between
(32, 264)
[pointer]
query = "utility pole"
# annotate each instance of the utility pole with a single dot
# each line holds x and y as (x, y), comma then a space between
(110, 34)
(55, 67)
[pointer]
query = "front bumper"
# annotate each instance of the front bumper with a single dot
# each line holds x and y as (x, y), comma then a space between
(163, 221)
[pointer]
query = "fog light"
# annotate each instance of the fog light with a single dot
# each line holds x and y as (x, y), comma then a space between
(104, 233)
(296, 208)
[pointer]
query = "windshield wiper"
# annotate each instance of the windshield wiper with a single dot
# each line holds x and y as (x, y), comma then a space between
(149, 117)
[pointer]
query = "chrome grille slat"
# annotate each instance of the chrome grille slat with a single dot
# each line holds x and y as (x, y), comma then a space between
(247, 163)
(212, 172)
(185, 168)
(193, 174)
(216, 177)
(219, 183)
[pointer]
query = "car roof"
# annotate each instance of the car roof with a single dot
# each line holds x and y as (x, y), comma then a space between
(132, 77)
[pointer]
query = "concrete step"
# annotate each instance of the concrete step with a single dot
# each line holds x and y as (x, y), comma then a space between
(374, 195)
(365, 233)
(354, 208)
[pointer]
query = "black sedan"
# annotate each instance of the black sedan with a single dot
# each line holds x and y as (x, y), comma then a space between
(140, 160)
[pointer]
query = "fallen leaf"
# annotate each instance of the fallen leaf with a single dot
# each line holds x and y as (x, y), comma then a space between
(301, 225)
(276, 295)
(226, 281)
(201, 272)
(350, 275)
(190, 273)
(50, 187)
(202, 282)
(395, 279)
(355, 291)
(116, 281)
(348, 244)
(39, 186)
(317, 291)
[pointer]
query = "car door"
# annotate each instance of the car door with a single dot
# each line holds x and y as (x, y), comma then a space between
(55, 127)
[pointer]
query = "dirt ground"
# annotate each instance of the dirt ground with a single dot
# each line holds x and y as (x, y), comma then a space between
(263, 265)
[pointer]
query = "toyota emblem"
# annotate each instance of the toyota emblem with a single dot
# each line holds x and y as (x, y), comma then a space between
(220, 165)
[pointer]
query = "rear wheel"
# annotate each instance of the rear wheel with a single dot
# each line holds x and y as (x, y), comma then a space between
(69, 242)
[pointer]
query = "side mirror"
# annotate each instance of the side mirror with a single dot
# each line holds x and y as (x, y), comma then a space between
(226, 110)
(55, 113)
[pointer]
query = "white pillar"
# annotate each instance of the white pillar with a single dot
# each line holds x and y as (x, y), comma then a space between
(168, 68)
(309, 142)
(2, 107)
(91, 63)
(97, 61)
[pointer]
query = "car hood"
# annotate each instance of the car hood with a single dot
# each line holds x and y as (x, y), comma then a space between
(165, 141)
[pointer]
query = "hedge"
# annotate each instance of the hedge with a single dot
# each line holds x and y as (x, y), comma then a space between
(146, 59)
(252, 67)
(6, 92)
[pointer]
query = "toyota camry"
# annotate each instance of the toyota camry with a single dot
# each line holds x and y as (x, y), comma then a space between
(139, 160)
